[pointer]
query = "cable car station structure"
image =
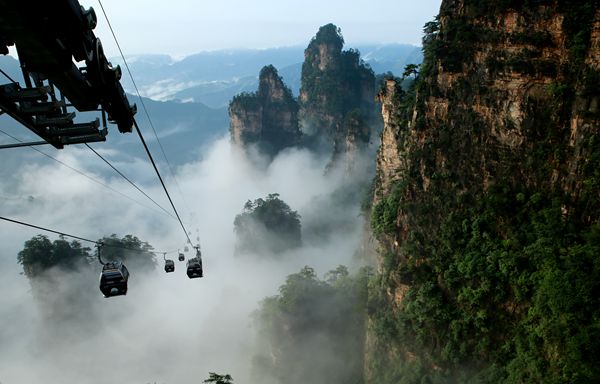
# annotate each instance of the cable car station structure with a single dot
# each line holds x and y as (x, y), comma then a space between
(50, 37)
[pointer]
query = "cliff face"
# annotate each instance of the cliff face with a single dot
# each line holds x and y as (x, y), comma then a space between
(523, 82)
(267, 118)
(494, 153)
(390, 161)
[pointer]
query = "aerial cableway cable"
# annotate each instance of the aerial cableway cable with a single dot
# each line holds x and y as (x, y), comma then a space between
(143, 106)
(152, 125)
(100, 243)
(7, 76)
(142, 140)
(137, 128)
(49, 230)
(130, 182)
(87, 176)
(97, 154)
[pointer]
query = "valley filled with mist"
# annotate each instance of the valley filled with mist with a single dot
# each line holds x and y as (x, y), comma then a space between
(168, 328)
(369, 213)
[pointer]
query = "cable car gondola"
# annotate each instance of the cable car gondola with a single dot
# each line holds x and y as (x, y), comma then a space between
(194, 265)
(113, 279)
(181, 256)
(169, 264)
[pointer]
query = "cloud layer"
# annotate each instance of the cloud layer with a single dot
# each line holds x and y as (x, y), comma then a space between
(168, 329)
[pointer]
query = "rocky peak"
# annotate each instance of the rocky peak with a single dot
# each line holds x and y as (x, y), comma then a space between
(267, 118)
(271, 87)
(337, 94)
(336, 105)
(323, 51)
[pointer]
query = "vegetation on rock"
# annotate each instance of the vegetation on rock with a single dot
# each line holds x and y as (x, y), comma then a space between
(215, 378)
(336, 108)
(337, 92)
(39, 254)
(135, 253)
(313, 331)
(266, 118)
(490, 237)
(267, 226)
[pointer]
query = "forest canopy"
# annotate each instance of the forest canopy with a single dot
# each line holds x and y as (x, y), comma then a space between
(267, 225)
(40, 254)
(313, 331)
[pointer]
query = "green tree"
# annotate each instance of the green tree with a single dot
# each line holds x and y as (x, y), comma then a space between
(39, 254)
(411, 70)
(219, 379)
(132, 251)
(59, 273)
(313, 331)
(267, 225)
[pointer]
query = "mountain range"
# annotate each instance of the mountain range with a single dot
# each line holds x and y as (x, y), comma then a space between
(213, 78)
(187, 99)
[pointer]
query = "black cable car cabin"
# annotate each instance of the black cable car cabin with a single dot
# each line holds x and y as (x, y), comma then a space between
(169, 265)
(194, 267)
(181, 256)
(113, 279)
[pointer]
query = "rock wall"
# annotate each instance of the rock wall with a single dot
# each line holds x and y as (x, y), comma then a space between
(267, 118)
(337, 95)
(483, 116)
(502, 124)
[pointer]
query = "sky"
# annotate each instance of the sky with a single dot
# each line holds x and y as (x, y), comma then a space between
(183, 27)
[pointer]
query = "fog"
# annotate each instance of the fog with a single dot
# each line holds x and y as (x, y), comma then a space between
(168, 329)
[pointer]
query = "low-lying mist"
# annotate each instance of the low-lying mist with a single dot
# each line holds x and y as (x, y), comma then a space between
(168, 329)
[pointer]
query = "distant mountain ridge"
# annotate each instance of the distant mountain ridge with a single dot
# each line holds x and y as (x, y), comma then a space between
(214, 77)
(187, 99)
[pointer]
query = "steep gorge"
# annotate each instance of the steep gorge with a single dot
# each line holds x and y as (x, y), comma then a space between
(486, 202)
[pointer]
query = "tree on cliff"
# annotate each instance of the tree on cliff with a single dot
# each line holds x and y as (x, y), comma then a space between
(269, 82)
(267, 225)
(58, 272)
(39, 254)
(135, 253)
(215, 378)
(313, 330)
(329, 34)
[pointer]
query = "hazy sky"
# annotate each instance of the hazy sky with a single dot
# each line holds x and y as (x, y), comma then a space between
(182, 27)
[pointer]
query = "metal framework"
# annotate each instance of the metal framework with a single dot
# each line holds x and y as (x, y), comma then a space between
(50, 37)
